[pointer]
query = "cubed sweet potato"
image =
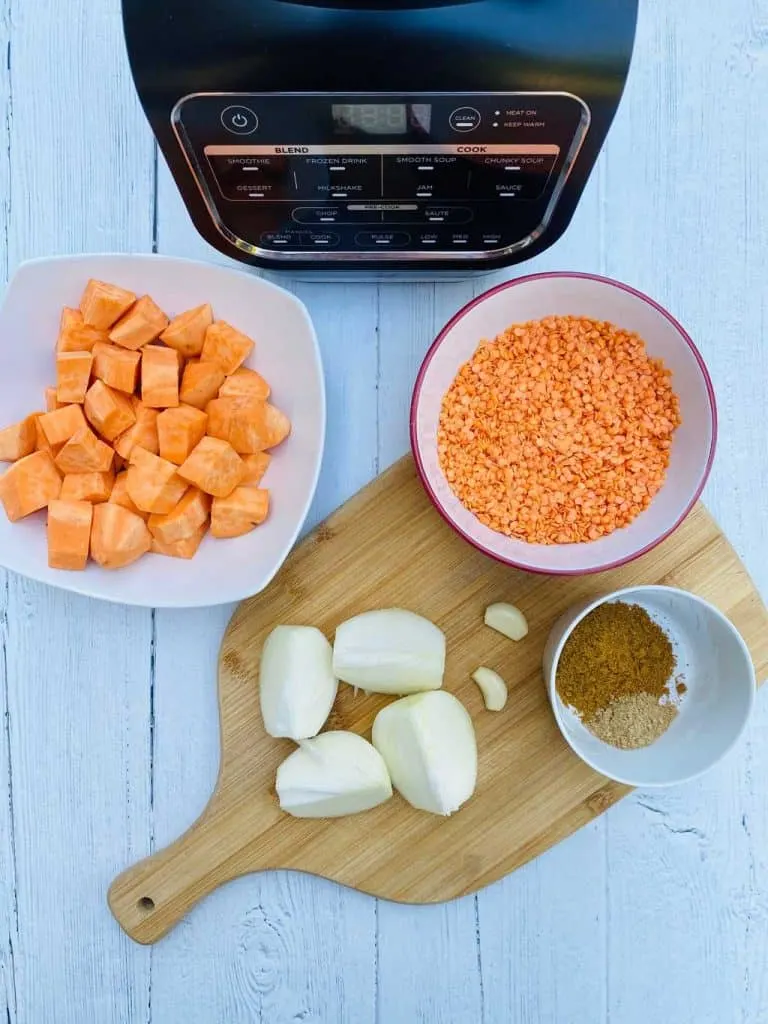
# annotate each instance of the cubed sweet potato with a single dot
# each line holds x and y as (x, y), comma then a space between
(179, 430)
(120, 495)
(159, 377)
(190, 514)
(19, 439)
(41, 441)
(103, 304)
(143, 432)
(93, 487)
(110, 412)
(144, 322)
(69, 534)
(30, 484)
(61, 424)
(116, 366)
(186, 548)
(200, 383)
(220, 412)
(213, 466)
(186, 332)
(79, 338)
(226, 346)
(118, 537)
(239, 512)
(255, 468)
(249, 426)
(245, 383)
(73, 374)
(153, 484)
(84, 453)
(51, 401)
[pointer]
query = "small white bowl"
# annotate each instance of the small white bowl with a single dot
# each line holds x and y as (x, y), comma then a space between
(286, 353)
(566, 294)
(715, 666)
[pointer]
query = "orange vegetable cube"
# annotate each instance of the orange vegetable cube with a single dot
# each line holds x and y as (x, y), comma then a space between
(93, 487)
(117, 367)
(226, 346)
(79, 338)
(220, 412)
(256, 426)
(19, 439)
(186, 548)
(159, 377)
(239, 512)
(213, 466)
(103, 304)
(61, 424)
(255, 468)
(51, 401)
(143, 432)
(153, 484)
(186, 332)
(200, 383)
(144, 322)
(245, 383)
(30, 484)
(69, 318)
(69, 534)
(120, 496)
(179, 430)
(84, 453)
(41, 441)
(73, 373)
(110, 412)
(118, 537)
(191, 513)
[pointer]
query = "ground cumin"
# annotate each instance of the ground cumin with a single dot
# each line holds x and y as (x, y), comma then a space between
(614, 670)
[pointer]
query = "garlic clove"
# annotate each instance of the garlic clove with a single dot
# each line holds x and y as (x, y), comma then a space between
(334, 774)
(297, 686)
(506, 619)
(492, 687)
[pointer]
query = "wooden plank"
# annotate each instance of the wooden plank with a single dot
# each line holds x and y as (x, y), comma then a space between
(533, 790)
(79, 178)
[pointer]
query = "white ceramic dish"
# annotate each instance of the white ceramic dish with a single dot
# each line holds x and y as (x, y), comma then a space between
(716, 667)
(286, 353)
(533, 298)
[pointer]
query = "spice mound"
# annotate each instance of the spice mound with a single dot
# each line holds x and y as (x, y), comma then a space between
(558, 431)
(616, 671)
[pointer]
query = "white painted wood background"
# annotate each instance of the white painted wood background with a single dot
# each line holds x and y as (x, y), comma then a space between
(656, 912)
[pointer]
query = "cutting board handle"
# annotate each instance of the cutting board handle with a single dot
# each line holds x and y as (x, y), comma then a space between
(151, 897)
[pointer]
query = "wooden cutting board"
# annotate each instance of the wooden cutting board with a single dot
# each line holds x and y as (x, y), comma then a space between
(387, 547)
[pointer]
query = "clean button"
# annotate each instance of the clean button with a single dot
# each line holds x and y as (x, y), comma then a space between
(239, 120)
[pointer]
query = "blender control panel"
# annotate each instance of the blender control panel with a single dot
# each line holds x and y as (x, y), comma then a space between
(314, 178)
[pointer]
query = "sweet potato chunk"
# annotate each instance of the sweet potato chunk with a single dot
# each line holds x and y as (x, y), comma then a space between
(179, 430)
(186, 548)
(220, 412)
(69, 534)
(213, 466)
(200, 383)
(79, 338)
(61, 424)
(191, 513)
(240, 512)
(93, 487)
(226, 346)
(159, 377)
(73, 373)
(110, 412)
(153, 484)
(51, 401)
(186, 332)
(245, 383)
(144, 322)
(249, 426)
(255, 468)
(120, 496)
(41, 441)
(116, 366)
(143, 432)
(118, 537)
(19, 439)
(103, 304)
(84, 453)
(30, 484)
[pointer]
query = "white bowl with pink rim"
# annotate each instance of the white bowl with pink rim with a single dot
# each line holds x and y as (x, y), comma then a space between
(585, 295)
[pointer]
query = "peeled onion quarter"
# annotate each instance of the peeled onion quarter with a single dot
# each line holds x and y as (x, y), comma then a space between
(297, 686)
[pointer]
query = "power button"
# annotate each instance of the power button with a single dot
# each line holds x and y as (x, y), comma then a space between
(239, 120)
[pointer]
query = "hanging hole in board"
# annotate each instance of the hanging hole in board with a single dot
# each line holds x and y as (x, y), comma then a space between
(146, 904)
